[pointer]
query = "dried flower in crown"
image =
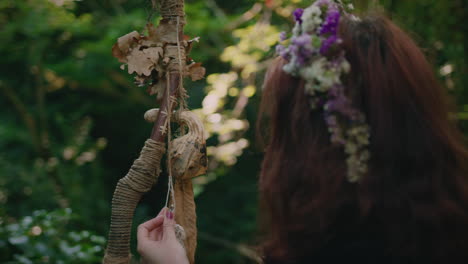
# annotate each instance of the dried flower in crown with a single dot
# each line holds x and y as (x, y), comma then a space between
(315, 54)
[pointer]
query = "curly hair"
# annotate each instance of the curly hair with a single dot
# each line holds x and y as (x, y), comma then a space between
(413, 202)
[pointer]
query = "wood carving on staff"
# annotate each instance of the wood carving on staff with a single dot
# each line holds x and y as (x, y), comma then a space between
(160, 62)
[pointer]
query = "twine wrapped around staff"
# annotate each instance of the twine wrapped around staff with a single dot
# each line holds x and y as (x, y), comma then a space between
(139, 180)
(160, 62)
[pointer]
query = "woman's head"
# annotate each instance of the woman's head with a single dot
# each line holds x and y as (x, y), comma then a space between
(415, 192)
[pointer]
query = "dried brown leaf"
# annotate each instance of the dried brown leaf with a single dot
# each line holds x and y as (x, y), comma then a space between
(154, 54)
(121, 49)
(117, 53)
(196, 71)
(126, 41)
(139, 62)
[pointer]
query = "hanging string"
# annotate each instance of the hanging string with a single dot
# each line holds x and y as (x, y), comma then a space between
(170, 184)
(167, 126)
(182, 92)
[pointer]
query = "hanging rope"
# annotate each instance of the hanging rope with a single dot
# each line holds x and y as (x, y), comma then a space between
(182, 104)
(167, 127)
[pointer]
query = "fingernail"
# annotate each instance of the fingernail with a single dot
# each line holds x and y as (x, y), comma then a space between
(168, 214)
(171, 215)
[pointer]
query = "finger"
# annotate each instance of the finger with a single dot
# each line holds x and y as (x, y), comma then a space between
(169, 226)
(153, 223)
(163, 211)
(153, 234)
(145, 228)
(156, 234)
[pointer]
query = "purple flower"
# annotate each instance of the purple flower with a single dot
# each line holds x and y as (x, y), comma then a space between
(331, 121)
(328, 43)
(304, 40)
(283, 36)
(302, 47)
(341, 104)
(331, 23)
(338, 61)
(282, 51)
(337, 104)
(334, 128)
(334, 91)
(298, 15)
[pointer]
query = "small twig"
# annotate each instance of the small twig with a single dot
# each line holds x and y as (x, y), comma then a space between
(216, 9)
(242, 249)
(255, 10)
(41, 106)
(20, 107)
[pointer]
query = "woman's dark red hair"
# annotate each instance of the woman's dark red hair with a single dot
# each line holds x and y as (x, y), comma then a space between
(414, 200)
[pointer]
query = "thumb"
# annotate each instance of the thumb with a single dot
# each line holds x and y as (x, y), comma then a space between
(169, 226)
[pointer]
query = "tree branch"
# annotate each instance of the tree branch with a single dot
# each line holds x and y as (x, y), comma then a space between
(241, 249)
(20, 107)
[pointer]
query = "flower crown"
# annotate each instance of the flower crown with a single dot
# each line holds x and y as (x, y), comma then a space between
(315, 54)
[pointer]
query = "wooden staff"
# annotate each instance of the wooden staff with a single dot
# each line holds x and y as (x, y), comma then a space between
(189, 155)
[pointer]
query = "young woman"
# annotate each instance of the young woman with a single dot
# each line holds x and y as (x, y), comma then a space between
(363, 163)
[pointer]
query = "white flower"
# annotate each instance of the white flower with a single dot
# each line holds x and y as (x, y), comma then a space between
(363, 139)
(317, 68)
(365, 156)
(354, 18)
(328, 79)
(311, 11)
(297, 30)
(289, 68)
(309, 89)
(311, 19)
(351, 148)
(318, 72)
(345, 66)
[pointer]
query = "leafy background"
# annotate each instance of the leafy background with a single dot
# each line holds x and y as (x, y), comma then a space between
(71, 120)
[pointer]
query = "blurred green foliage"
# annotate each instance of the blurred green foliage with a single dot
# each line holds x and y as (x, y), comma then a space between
(71, 120)
(45, 237)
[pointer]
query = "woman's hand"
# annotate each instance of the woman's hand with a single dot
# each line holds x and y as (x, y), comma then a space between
(157, 242)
